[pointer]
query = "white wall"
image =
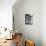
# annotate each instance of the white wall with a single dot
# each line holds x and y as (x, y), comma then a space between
(43, 22)
(29, 31)
(6, 13)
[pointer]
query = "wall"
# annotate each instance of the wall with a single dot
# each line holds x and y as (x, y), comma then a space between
(6, 13)
(29, 31)
(43, 22)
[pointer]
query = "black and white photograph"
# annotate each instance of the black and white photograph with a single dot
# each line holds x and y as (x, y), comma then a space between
(28, 19)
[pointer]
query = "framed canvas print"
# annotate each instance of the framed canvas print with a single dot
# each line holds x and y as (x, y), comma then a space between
(28, 19)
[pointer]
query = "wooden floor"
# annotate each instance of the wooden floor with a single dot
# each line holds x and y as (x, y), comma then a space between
(9, 43)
